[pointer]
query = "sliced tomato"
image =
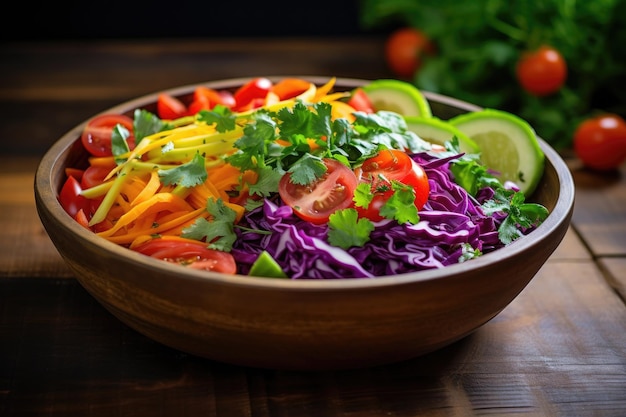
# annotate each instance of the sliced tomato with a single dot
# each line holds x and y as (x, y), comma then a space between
(387, 166)
(189, 253)
(315, 202)
(96, 136)
(360, 101)
(170, 108)
(81, 218)
(252, 94)
(71, 199)
(200, 103)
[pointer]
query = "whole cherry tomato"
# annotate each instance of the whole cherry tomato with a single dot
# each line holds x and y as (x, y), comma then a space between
(600, 141)
(404, 50)
(541, 72)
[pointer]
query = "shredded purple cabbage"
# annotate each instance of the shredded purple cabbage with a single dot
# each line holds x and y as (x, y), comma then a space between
(450, 219)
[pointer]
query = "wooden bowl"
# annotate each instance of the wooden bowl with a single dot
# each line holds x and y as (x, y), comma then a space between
(296, 324)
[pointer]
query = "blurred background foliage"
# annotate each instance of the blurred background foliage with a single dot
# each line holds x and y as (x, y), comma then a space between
(479, 42)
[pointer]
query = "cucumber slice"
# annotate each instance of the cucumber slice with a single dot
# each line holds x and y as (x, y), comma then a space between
(397, 96)
(508, 145)
(266, 266)
(437, 131)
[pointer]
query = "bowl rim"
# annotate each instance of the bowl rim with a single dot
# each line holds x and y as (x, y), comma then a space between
(46, 197)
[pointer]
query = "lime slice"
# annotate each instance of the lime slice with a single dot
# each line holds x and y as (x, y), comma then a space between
(508, 145)
(397, 96)
(437, 131)
(266, 266)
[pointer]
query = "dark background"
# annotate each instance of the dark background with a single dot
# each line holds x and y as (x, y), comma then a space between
(182, 18)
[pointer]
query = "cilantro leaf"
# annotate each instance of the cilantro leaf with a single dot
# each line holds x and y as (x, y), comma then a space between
(401, 205)
(186, 175)
(222, 116)
(267, 182)
(146, 124)
(253, 145)
(519, 213)
(363, 195)
(468, 252)
(389, 129)
(219, 232)
(345, 229)
(307, 169)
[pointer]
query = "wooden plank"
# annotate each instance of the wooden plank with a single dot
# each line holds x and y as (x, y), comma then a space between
(25, 249)
(600, 210)
(570, 249)
(615, 273)
(558, 349)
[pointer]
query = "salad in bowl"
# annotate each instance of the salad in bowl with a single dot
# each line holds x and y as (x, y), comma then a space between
(289, 179)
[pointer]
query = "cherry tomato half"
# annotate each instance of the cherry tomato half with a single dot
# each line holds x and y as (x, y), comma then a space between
(96, 136)
(94, 175)
(252, 94)
(317, 201)
(189, 253)
(170, 108)
(404, 50)
(541, 72)
(70, 198)
(600, 142)
(387, 166)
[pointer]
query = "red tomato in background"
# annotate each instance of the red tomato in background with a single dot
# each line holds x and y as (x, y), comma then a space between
(96, 136)
(541, 72)
(190, 254)
(360, 101)
(392, 165)
(317, 201)
(600, 141)
(252, 94)
(405, 49)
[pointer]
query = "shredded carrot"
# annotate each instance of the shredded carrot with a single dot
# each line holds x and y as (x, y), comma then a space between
(150, 188)
(170, 225)
(160, 201)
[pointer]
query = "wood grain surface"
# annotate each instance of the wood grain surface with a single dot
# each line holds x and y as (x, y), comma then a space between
(559, 349)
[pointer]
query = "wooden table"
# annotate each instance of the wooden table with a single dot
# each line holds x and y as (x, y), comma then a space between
(558, 349)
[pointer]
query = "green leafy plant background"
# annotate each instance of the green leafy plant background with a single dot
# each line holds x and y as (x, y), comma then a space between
(479, 42)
